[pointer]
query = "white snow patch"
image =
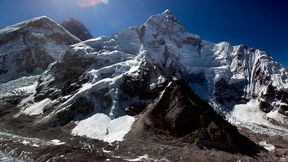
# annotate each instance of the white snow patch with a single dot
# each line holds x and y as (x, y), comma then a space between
(140, 158)
(250, 116)
(35, 145)
(31, 143)
(29, 89)
(275, 115)
(106, 151)
(56, 142)
(101, 127)
(55, 50)
(267, 146)
(118, 128)
(152, 85)
(20, 86)
(37, 108)
(94, 127)
(237, 78)
(25, 142)
(147, 158)
(249, 112)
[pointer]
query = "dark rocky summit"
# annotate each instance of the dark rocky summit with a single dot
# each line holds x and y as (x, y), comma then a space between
(77, 28)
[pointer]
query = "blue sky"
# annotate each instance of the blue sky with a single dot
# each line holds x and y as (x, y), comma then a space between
(261, 24)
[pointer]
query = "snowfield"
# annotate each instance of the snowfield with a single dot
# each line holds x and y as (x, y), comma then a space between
(101, 127)
(250, 116)
(37, 108)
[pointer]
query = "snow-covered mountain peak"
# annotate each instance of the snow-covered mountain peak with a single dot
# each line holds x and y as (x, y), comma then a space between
(164, 20)
(169, 16)
(35, 23)
(167, 11)
(30, 46)
(22, 24)
(221, 74)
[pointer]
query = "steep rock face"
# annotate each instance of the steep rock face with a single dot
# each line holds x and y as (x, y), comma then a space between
(30, 46)
(181, 114)
(77, 28)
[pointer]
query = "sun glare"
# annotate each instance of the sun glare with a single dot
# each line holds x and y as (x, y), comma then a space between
(90, 3)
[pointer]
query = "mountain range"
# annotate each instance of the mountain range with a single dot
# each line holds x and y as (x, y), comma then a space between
(156, 86)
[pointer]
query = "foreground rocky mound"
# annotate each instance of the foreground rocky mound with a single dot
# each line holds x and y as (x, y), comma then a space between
(179, 113)
(28, 47)
(77, 28)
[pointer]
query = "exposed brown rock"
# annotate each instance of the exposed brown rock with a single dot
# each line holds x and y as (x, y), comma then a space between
(179, 114)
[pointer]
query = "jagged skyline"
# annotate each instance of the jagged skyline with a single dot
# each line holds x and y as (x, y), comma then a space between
(260, 24)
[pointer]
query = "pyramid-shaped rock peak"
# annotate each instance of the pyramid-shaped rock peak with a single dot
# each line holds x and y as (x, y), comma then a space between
(181, 114)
